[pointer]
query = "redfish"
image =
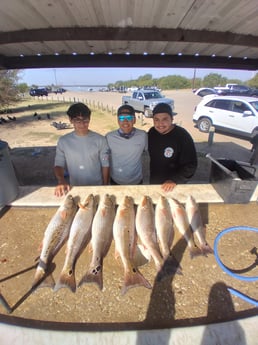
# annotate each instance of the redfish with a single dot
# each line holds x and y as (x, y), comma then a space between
(55, 236)
(145, 227)
(79, 237)
(101, 238)
(196, 223)
(125, 244)
(182, 224)
(164, 226)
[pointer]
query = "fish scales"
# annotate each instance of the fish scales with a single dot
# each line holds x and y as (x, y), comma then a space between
(182, 224)
(196, 223)
(145, 227)
(164, 226)
(79, 237)
(55, 235)
(101, 238)
(125, 243)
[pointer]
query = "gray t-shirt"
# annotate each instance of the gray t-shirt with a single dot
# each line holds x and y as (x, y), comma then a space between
(83, 157)
(126, 156)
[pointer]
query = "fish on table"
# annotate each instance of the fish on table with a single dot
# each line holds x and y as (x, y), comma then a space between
(196, 223)
(164, 226)
(125, 238)
(101, 238)
(182, 224)
(79, 237)
(145, 228)
(55, 236)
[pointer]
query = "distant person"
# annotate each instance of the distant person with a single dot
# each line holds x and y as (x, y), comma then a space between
(127, 145)
(83, 153)
(173, 157)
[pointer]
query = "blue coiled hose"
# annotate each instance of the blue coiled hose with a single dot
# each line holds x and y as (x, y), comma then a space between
(225, 269)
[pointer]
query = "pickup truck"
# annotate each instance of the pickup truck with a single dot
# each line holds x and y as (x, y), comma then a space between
(236, 90)
(143, 101)
(221, 89)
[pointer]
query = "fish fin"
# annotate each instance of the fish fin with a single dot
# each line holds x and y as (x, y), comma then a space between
(117, 255)
(63, 214)
(90, 247)
(94, 275)
(134, 278)
(103, 212)
(81, 206)
(206, 249)
(40, 246)
(66, 280)
(141, 256)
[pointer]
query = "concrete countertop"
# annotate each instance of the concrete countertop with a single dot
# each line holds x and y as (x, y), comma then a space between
(38, 196)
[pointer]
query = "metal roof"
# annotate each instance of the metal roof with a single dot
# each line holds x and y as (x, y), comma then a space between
(140, 33)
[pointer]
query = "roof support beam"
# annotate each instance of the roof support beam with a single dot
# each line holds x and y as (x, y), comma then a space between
(123, 60)
(127, 34)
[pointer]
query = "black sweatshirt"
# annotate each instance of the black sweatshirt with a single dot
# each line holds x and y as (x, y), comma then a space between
(172, 156)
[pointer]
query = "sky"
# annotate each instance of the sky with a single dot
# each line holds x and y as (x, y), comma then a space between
(104, 76)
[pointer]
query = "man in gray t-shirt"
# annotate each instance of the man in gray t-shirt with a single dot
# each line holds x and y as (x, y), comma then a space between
(127, 145)
(84, 153)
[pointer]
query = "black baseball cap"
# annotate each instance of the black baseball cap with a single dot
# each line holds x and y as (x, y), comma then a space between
(163, 108)
(126, 109)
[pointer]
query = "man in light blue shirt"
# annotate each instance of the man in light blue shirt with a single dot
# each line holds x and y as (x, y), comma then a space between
(127, 145)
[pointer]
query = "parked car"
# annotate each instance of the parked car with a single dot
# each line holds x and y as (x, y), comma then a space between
(39, 92)
(235, 115)
(59, 90)
(205, 91)
(239, 90)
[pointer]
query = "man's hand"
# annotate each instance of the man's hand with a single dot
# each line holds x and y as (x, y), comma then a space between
(62, 189)
(168, 186)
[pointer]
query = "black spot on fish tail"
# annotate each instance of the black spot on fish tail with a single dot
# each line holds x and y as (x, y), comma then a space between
(66, 280)
(94, 275)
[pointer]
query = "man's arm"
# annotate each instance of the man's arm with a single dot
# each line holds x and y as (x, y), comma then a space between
(62, 187)
(105, 175)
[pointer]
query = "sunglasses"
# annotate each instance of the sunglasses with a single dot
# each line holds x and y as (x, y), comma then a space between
(125, 117)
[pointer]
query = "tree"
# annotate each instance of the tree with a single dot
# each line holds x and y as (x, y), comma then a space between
(8, 87)
(174, 82)
(254, 81)
(23, 88)
(214, 79)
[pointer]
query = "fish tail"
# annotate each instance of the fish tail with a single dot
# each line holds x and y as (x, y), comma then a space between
(42, 279)
(40, 273)
(206, 249)
(93, 276)
(66, 280)
(134, 278)
(195, 251)
(170, 267)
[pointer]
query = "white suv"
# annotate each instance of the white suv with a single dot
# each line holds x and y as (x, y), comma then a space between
(235, 115)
